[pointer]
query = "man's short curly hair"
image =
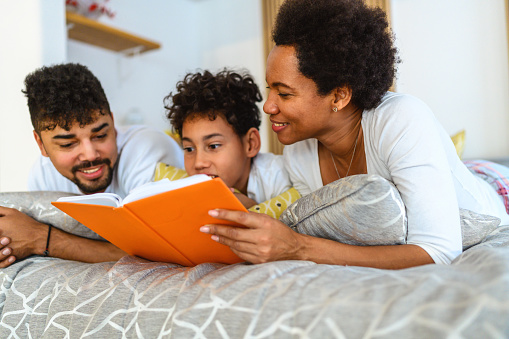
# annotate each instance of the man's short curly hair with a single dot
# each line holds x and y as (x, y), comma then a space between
(231, 94)
(340, 43)
(61, 95)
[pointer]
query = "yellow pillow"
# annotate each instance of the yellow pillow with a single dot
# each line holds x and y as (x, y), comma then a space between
(458, 140)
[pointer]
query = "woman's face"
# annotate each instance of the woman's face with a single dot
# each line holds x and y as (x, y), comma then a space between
(297, 112)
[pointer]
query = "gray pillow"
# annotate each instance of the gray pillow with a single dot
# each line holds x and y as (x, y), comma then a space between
(367, 210)
(37, 204)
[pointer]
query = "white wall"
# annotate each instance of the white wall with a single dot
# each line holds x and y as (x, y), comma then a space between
(28, 40)
(455, 58)
(206, 34)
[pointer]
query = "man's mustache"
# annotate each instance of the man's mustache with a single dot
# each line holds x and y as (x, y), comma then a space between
(88, 164)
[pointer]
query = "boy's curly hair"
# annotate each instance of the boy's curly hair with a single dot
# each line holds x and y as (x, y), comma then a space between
(340, 43)
(228, 93)
(62, 95)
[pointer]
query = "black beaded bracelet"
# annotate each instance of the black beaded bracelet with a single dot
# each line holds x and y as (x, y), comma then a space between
(46, 252)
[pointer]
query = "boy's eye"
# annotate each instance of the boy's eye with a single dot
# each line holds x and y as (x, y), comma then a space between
(214, 146)
(188, 149)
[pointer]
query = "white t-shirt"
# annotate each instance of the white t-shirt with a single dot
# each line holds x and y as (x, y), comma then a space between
(140, 148)
(267, 178)
(405, 144)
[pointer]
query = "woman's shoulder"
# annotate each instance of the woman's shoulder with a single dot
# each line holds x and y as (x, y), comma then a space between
(400, 108)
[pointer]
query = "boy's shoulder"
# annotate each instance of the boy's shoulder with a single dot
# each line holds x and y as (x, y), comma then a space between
(268, 161)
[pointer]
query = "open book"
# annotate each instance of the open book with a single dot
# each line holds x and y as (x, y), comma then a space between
(160, 221)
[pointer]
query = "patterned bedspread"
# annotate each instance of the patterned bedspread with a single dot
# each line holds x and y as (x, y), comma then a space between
(54, 298)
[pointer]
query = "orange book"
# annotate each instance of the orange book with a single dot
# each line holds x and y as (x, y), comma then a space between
(160, 221)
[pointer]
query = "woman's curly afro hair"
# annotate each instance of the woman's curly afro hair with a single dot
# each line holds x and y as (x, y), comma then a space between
(62, 95)
(340, 43)
(228, 93)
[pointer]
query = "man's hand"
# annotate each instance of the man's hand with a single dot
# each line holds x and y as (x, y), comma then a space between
(25, 236)
(5, 253)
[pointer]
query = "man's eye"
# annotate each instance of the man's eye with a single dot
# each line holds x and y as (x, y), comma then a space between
(101, 136)
(66, 145)
(283, 95)
(214, 146)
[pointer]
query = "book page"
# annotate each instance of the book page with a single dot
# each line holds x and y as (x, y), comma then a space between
(104, 199)
(161, 186)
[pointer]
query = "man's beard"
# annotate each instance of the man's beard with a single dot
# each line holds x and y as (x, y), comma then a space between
(96, 185)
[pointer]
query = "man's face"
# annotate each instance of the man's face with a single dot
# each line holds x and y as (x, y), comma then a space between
(85, 155)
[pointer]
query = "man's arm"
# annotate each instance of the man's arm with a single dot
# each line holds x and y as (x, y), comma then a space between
(29, 237)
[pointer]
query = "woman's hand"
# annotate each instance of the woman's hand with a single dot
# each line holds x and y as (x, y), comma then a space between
(262, 239)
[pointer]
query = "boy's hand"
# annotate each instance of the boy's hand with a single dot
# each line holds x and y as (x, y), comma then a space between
(245, 200)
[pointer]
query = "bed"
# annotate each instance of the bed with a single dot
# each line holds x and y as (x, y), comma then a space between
(44, 297)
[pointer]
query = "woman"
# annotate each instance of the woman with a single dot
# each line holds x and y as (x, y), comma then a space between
(328, 76)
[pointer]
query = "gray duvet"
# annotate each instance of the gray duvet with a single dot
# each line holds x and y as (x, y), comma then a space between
(133, 298)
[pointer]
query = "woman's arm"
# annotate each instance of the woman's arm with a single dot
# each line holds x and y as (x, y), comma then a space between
(266, 239)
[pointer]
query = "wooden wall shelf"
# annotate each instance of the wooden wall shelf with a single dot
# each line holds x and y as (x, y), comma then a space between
(98, 34)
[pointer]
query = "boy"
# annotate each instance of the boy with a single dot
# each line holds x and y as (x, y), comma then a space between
(217, 119)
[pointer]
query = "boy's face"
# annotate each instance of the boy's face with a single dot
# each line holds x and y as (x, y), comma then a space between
(85, 155)
(212, 147)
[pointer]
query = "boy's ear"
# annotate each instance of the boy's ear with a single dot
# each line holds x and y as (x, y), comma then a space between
(40, 144)
(252, 142)
(342, 97)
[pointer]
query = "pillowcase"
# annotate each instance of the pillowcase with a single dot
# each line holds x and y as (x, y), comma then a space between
(367, 210)
(37, 204)
(496, 175)
(458, 140)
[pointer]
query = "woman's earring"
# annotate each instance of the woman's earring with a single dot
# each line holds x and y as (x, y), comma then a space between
(335, 109)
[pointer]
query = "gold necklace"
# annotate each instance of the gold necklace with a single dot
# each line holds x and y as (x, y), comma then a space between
(351, 160)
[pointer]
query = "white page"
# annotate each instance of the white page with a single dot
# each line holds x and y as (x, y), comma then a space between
(161, 186)
(104, 199)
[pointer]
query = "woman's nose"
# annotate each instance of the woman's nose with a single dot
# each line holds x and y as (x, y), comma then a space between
(270, 106)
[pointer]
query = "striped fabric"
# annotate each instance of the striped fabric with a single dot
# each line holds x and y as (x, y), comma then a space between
(496, 175)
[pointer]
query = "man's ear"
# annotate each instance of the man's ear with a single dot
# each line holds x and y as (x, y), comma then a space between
(342, 97)
(252, 142)
(40, 144)
(113, 119)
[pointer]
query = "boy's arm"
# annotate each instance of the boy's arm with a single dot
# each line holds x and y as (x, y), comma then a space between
(275, 206)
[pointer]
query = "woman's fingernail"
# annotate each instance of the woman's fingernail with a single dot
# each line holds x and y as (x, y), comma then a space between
(205, 229)
(7, 251)
(215, 238)
(4, 241)
(11, 259)
(213, 213)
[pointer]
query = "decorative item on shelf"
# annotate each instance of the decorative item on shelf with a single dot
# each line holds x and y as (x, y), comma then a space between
(91, 9)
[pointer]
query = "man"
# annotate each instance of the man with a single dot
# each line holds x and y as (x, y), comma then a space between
(81, 152)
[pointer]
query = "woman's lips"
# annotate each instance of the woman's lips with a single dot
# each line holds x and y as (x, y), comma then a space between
(279, 126)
